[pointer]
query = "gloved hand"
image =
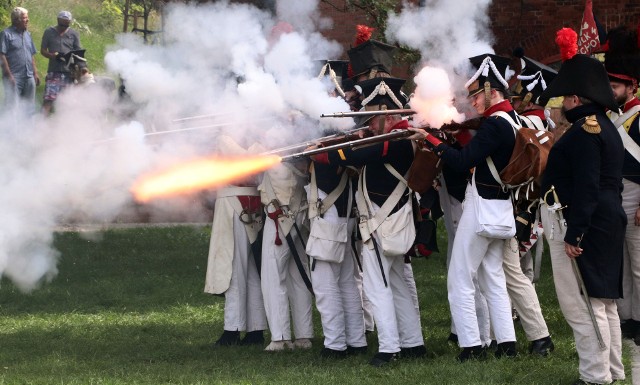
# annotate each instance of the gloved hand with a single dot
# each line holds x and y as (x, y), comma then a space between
(60, 57)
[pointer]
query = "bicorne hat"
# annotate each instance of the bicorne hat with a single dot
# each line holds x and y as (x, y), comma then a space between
(491, 71)
(533, 80)
(369, 55)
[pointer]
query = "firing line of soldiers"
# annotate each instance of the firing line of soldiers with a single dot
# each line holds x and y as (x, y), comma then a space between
(340, 230)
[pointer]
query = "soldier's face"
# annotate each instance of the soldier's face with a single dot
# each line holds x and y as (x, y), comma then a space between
(569, 102)
(623, 92)
(477, 102)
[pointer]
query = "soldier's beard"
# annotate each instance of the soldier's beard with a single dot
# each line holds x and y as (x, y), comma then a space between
(621, 100)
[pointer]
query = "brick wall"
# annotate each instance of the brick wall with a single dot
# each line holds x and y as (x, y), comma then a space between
(531, 24)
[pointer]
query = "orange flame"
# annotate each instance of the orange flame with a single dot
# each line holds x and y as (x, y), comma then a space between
(199, 174)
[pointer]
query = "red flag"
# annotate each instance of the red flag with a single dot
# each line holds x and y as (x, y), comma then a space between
(589, 40)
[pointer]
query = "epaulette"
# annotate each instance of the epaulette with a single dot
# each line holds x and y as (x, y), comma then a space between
(591, 125)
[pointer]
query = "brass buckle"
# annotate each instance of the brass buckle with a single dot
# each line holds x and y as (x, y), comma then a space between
(275, 204)
(249, 217)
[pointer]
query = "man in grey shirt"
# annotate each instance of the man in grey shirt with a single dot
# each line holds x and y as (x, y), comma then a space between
(56, 42)
(19, 73)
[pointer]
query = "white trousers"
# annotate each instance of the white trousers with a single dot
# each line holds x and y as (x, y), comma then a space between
(472, 256)
(369, 324)
(523, 295)
(283, 287)
(395, 312)
(526, 264)
(338, 299)
(243, 305)
(452, 210)
(595, 365)
(629, 304)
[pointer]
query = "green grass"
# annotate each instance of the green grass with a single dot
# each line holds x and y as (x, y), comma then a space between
(128, 308)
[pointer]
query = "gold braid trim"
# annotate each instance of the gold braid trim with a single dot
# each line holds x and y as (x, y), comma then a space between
(487, 95)
(591, 125)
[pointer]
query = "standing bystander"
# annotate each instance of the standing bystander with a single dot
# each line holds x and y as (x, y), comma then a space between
(19, 73)
(56, 42)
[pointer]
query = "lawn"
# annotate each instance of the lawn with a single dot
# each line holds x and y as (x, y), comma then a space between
(128, 308)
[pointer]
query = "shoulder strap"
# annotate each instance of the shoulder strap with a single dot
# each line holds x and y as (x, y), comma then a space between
(623, 118)
(319, 208)
(536, 122)
(384, 211)
(629, 144)
(494, 171)
(508, 118)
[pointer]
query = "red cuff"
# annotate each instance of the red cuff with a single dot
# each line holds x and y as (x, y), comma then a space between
(322, 158)
(433, 140)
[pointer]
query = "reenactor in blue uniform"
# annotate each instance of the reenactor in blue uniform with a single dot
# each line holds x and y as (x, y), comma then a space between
(475, 255)
(582, 213)
(383, 193)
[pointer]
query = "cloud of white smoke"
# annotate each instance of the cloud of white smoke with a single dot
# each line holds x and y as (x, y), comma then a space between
(220, 60)
(446, 33)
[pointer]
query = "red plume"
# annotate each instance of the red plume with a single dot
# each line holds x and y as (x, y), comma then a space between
(567, 40)
(363, 34)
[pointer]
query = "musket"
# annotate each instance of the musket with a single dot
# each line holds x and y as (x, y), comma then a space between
(393, 135)
(351, 114)
(315, 141)
(208, 116)
(556, 208)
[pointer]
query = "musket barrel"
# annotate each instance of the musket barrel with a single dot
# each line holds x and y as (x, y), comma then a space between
(354, 143)
(351, 114)
(314, 141)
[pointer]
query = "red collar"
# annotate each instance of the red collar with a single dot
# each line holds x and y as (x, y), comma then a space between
(538, 113)
(502, 106)
(401, 125)
(631, 103)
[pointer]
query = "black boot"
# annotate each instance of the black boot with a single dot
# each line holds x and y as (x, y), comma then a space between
(228, 338)
(356, 350)
(414, 352)
(381, 359)
(330, 353)
(629, 328)
(542, 346)
(453, 338)
(255, 337)
(506, 349)
(472, 353)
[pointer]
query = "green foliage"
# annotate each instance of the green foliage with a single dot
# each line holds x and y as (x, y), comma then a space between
(377, 12)
(5, 12)
(110, 13)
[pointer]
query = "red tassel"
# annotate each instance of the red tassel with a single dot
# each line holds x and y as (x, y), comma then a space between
(278, 241)
(363, 34)
(567, 40)
(274, 216)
